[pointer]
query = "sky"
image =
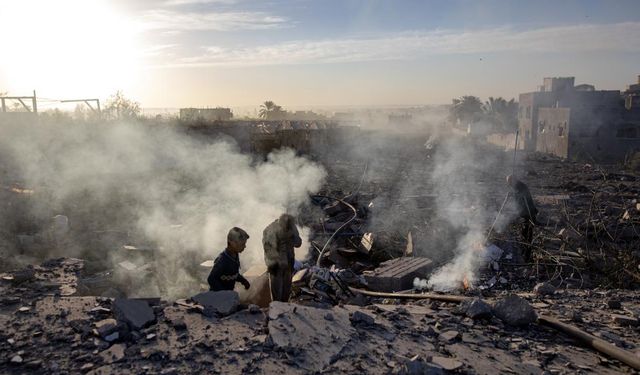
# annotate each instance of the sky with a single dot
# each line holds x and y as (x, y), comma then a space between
(303, 53)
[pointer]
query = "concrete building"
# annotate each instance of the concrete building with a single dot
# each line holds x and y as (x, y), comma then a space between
(579, 122)
(205, 114)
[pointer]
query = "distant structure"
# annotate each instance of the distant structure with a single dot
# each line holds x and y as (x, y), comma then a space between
(579, 122)
(402, 119)
(205, 114)
(21, 111)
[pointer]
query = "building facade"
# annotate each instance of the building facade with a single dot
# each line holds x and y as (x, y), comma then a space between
(579, 122)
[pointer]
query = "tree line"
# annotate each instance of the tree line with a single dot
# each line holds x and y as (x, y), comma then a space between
(499, 112)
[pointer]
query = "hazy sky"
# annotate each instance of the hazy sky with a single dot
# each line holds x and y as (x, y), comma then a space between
(173, 53)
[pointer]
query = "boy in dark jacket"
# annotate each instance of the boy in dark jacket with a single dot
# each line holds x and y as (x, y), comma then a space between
(226, 267)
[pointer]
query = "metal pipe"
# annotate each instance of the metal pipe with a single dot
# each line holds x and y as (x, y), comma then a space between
(355, 214)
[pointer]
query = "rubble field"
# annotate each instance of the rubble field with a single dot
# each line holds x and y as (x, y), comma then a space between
(376, 225)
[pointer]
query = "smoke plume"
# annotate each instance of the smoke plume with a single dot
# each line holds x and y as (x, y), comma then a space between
(154, 186)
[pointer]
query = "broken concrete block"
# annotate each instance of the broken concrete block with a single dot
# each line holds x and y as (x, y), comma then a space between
(305, 330)
(106, 327)
(449, 336)
(623, 320)
(16, 360)
(358, 317)
(476, 309)
(449, 364)
(25, 274)
(221, 303)
(416, 366)
(544, 289)
(515, 311)
(112, 337)
(136, 313)
(398, 274)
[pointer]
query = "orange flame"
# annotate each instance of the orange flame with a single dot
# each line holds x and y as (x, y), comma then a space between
(466, 285)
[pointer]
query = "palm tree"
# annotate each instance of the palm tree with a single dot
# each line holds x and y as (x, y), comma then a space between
(465, 109)
(502, 113)
(269, 110)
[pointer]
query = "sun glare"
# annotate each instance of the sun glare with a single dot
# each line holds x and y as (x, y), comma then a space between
(66, 48)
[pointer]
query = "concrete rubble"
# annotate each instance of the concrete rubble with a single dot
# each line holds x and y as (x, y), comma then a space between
(220, 303)
(71, 315)
(68, 333)
(136, 313)
(515, 311)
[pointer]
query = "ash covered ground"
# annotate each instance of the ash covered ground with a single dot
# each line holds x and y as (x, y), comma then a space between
(102, 244)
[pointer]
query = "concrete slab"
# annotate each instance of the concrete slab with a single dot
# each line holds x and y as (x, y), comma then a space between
(136, 313)
(221, 303)
(398, 274)
(314, 335)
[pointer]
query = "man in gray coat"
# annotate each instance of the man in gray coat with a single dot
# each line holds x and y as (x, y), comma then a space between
(278, 240)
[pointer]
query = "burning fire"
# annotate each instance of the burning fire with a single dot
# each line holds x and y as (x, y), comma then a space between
(466, 285)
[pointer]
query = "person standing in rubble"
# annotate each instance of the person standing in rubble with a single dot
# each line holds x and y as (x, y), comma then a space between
(278, 239)
(226, 268)
(527, 211)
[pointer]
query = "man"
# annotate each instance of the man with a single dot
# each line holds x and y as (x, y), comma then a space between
(226, 267)
(526, 210)
(278, 240)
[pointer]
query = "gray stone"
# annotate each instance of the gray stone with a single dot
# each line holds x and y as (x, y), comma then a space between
(24, 275)
(305, 331)
(476, 309)
(136, 313)
(16, 359)
(515, 311)
(106, 327)
(221, 303)
(448, 364)
(359, 317)
(544, 289)
(112, 337)
(416, 366)
(449, 336)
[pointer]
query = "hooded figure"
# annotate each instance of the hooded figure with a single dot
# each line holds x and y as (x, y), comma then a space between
(526, 210)
(278, 240)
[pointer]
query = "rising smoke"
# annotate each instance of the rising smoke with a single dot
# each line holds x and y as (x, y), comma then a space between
(464, 178)
(156, 187)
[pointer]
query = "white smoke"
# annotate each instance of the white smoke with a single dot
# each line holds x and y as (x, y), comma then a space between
(459, 178)
(179, 194)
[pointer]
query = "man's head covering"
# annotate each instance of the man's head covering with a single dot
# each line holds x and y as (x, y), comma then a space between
(237, 234)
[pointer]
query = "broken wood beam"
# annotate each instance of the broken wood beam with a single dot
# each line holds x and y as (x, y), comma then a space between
(437, 297)
(596, 343)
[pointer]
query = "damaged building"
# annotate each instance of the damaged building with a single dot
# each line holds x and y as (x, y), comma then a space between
(579, 122)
